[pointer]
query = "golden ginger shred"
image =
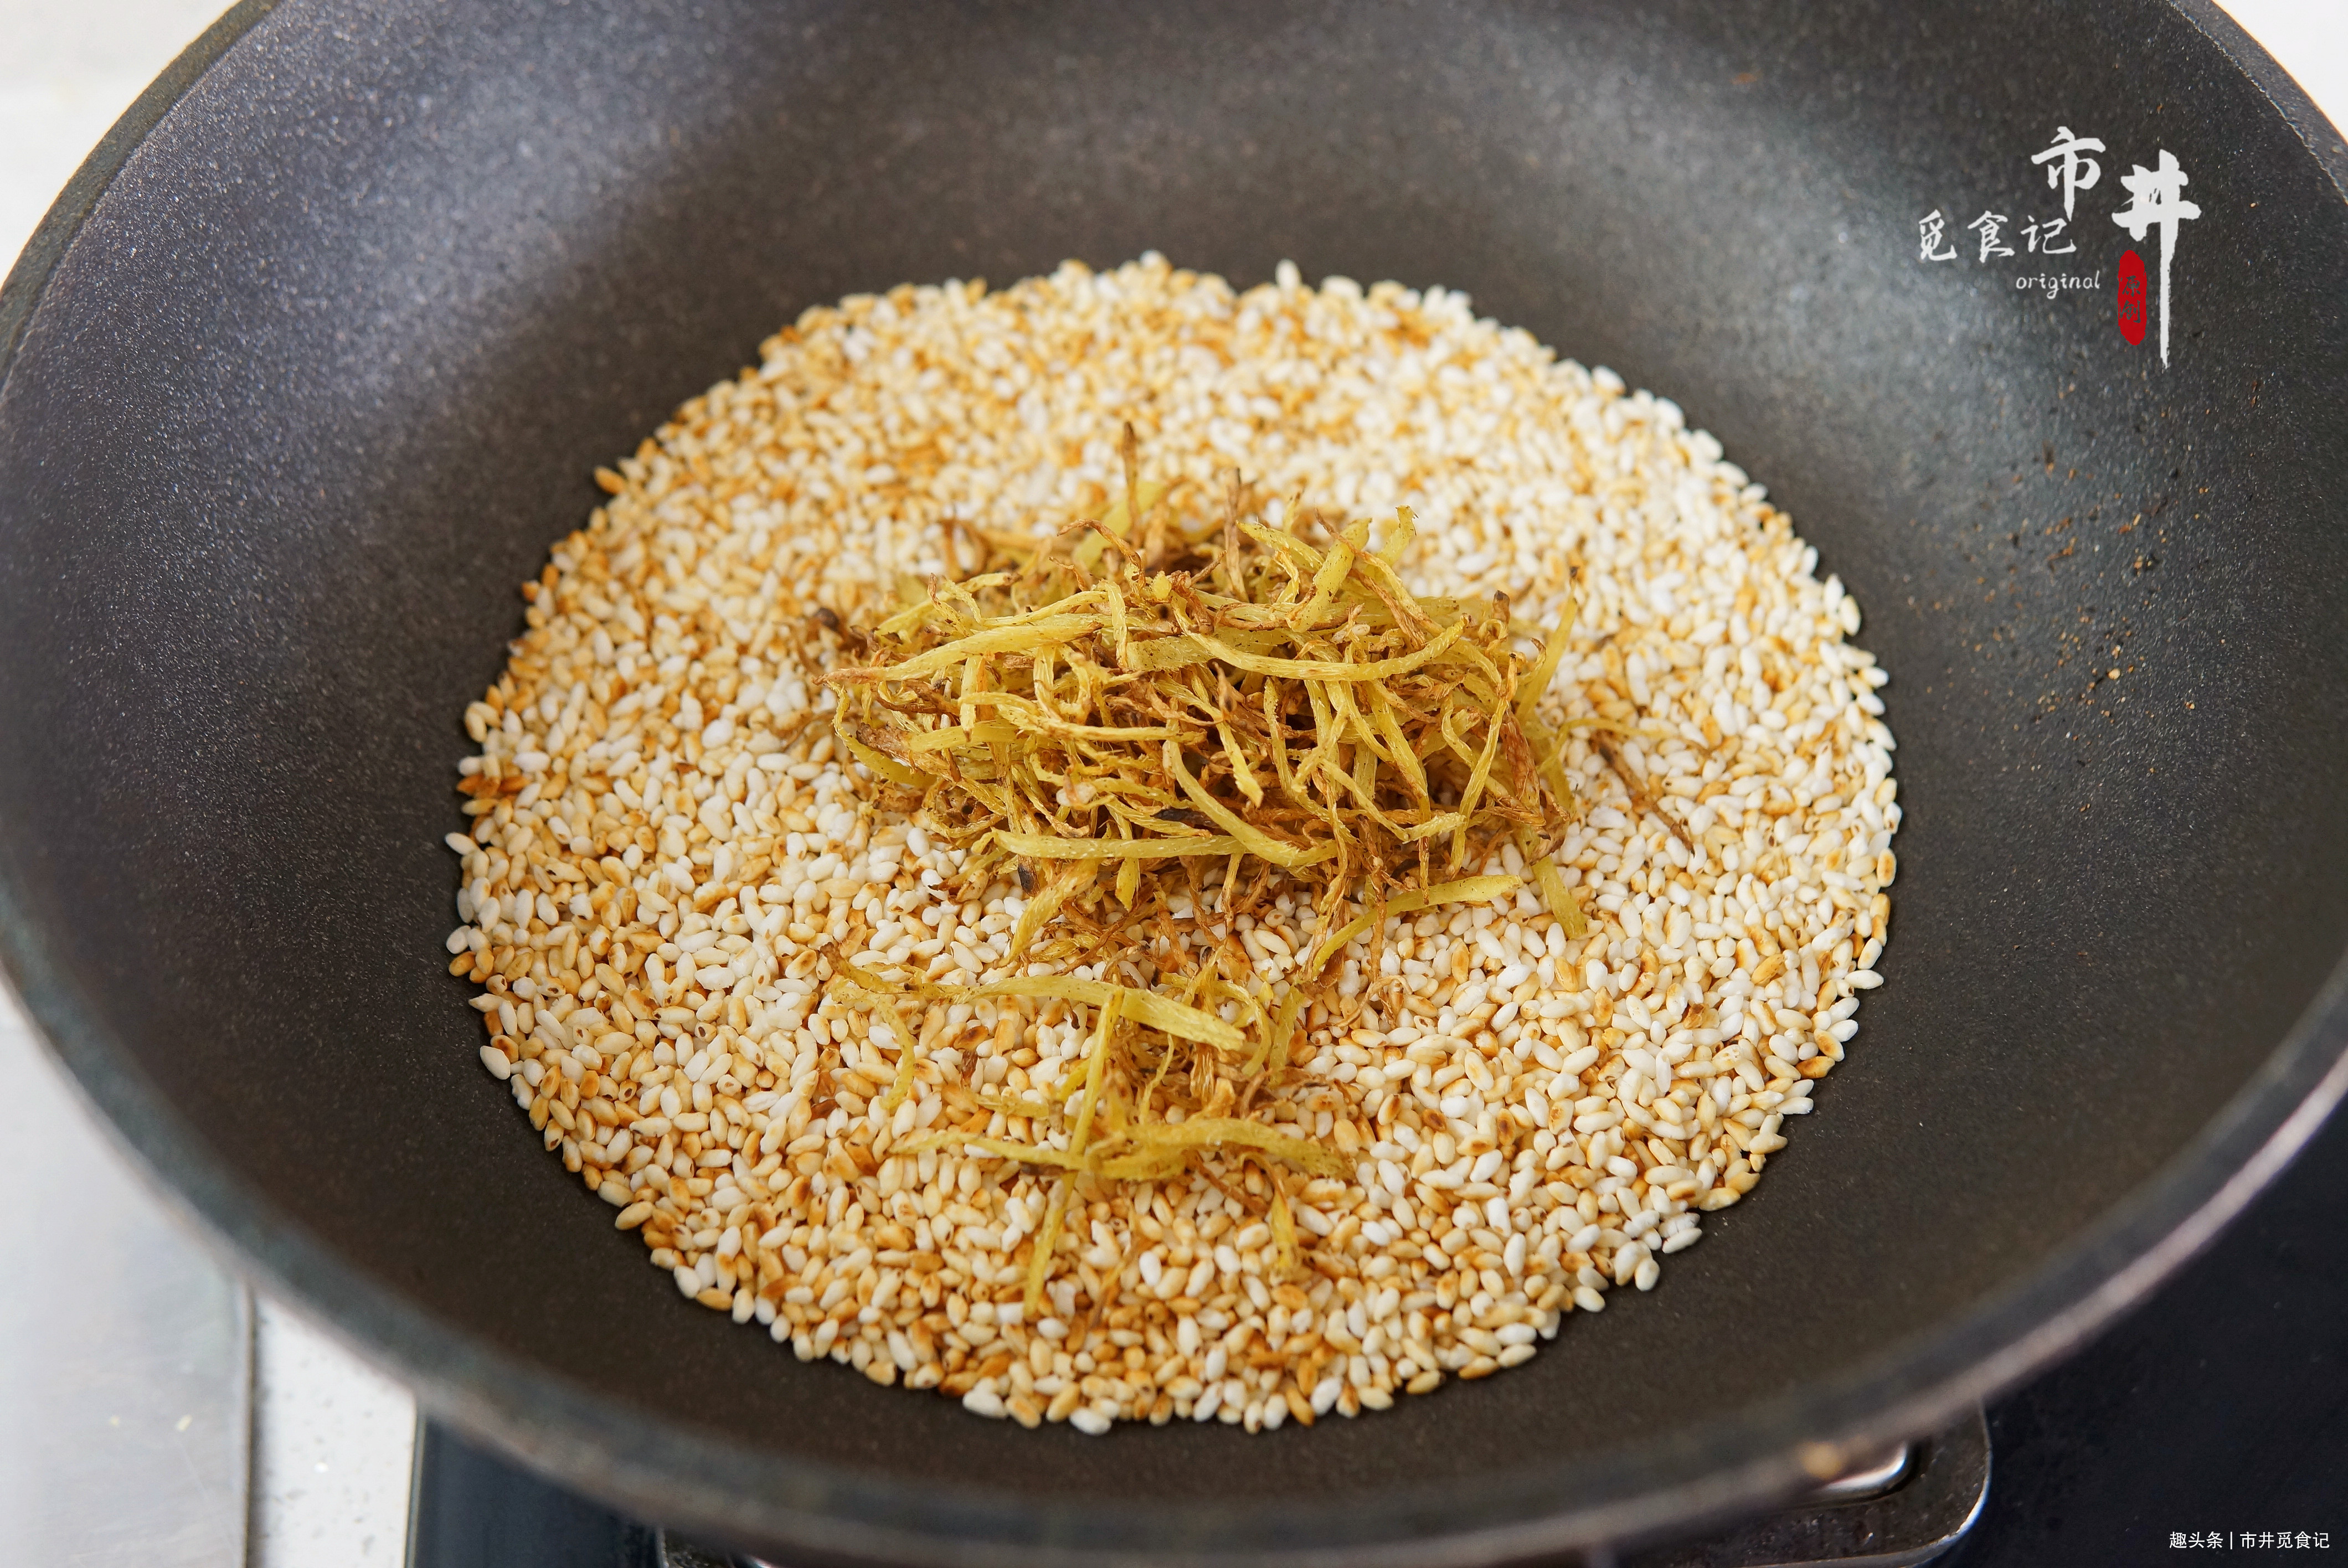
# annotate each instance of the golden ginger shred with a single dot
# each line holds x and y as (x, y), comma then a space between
(1140, 694)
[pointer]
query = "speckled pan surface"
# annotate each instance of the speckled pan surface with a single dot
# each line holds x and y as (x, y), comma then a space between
(326, 365)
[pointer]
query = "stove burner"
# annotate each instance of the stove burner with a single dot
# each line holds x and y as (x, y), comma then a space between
(1907, 1507)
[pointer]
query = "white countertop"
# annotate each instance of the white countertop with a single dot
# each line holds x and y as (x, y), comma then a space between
(332, 1440)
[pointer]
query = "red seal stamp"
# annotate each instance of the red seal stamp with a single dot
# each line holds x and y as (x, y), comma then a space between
(2132, 297)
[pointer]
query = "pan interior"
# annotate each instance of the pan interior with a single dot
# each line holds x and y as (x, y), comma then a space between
(329, 367)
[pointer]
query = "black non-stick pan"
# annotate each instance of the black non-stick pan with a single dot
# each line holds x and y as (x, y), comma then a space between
(314, 359)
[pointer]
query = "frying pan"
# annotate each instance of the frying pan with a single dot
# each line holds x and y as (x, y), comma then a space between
(313, 360)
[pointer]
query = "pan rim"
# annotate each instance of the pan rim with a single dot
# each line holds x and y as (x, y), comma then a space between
(1734, 1461)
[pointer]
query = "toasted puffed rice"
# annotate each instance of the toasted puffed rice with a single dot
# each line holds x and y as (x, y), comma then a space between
(667, 863)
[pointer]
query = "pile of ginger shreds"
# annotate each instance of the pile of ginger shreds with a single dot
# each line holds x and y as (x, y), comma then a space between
(1107, 708)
